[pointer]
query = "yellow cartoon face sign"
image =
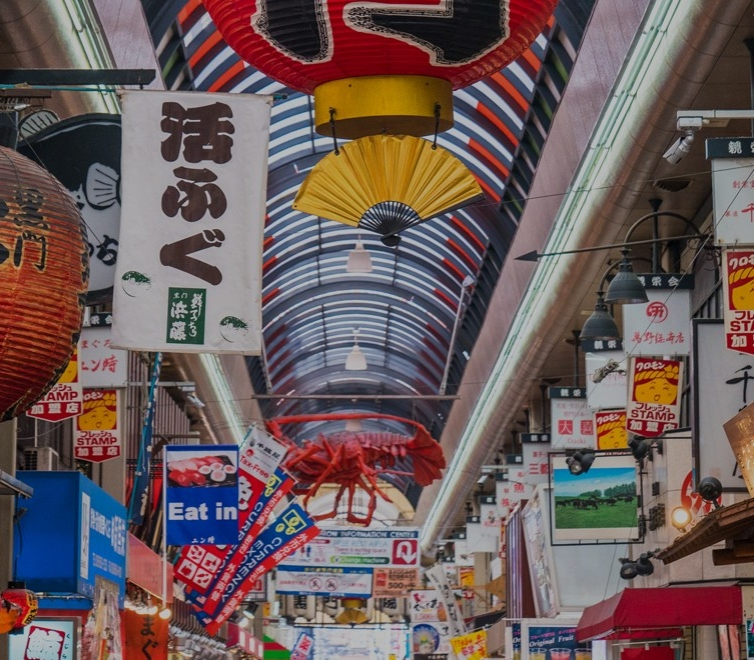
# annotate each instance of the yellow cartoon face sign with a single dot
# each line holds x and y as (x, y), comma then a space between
(741, 288)
(658, 386)
(613, 438)
(100, 414)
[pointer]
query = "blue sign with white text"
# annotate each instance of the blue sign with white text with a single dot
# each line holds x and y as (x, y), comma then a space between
(73, 533)
(201, 495)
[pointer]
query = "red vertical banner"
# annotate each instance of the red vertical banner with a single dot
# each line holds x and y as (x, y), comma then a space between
(654, 405)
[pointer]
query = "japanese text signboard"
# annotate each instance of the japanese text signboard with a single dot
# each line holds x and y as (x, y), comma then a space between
(194, 187)
(572, 420)
(732, 164)
(335, 582)
(727, 378)
(101, 365)
(655, 402)
(65, 399)
(662, 325)
(394, 582)
(738, 291)
(361, 547)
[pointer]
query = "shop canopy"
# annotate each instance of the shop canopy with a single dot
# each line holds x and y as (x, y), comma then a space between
(275, 651)
(659, 613)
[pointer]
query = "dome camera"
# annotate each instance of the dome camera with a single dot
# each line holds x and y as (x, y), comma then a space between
(710, 490)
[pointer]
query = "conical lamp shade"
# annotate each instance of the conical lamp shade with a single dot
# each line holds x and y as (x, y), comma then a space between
(600, 325)
(386, 183)
(626, 288)
(359, 260)
(356, 360)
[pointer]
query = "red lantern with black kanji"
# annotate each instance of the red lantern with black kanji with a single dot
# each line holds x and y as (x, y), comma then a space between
(18, 607)
(44, 271)
(380, 66)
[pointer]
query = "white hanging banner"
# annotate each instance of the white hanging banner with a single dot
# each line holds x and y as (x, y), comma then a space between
(732, 165)
(572, 420)
(437, 578)
(194, 179)
(611, 389)
(727, 378)
(661, 326)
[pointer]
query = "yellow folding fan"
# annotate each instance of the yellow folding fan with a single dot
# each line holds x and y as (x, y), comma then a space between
(387, 183)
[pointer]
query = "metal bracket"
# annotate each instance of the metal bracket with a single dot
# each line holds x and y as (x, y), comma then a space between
(11, 486)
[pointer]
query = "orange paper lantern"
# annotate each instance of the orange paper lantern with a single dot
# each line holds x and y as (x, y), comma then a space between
(23, 602)
(44, 271)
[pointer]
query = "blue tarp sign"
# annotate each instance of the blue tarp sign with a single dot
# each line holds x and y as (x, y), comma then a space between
(201, 495)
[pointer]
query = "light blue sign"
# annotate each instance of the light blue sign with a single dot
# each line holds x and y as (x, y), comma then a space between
(73, 533)
(201, 495)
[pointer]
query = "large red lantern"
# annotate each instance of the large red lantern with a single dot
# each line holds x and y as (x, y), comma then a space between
(44, 270)
(380, 66)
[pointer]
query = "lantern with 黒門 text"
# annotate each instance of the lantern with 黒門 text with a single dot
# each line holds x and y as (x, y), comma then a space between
(44, 271)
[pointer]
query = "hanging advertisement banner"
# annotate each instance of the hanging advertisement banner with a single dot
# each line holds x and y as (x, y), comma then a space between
(396, 548)
(146, 636)
(738, 307)
(654, 405)
(662, 325)
(606, 382)
(291, 530)
(101, 365)
(488, 538)
(137, 506)
(303, 649)
(195, 183)
(424, 605)
(610, 429)
(511, 491)
(198, 567)
(544, 639)
(66, 397)
(571, 419)
(332, 582)
(543, 584)
(201, 495)
(394, 582)
(596, 505)
(84, 154)
(732, 165)
(430, 640)
(471, 646)
(536, 461)
(96, 435)
(436, 576)
(727, 378)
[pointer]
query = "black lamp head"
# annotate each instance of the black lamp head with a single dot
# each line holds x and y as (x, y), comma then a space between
(642, 566)
(580, 461)
(640, 449)
(600, 325)
(626, 288)
(710, 490)
(627, 569)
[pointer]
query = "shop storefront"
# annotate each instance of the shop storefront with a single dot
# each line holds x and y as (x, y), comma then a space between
(70, 548)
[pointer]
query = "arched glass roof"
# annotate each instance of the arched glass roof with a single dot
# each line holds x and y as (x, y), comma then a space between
(413, 328)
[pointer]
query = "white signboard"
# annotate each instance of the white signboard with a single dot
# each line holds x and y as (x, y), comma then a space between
(437, 578)
(334, 582)
(727, 378)
(54, 638)
(424, 605)
(360, 547)
(732, 191)
(536, 462)
(509, 493)
(101, 365)
(661, 326)
(611, 391)
(189, 270)
(572, 419)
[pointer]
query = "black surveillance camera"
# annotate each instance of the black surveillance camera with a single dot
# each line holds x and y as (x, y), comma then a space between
(710, 490)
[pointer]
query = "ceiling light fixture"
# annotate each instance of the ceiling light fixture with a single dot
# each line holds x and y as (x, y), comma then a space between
(600, 325)
(359, 260)
(356, 360)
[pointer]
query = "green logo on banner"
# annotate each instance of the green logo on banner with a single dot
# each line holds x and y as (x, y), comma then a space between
(186, 311)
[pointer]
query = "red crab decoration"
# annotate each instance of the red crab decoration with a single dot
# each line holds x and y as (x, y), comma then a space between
(356, 459)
